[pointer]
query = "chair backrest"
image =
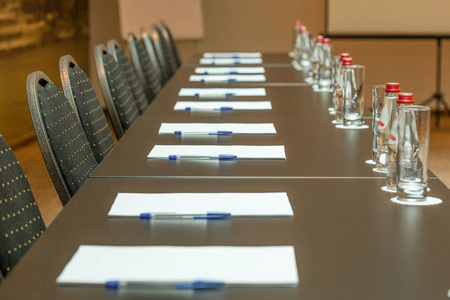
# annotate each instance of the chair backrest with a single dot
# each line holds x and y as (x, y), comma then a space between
(168, 52)
(81, 95)
(119, 55)
(116, 91)
(161, 53)
(150, 49)
(167, 35)
(144, 69)
(64, 146)
(20, 219)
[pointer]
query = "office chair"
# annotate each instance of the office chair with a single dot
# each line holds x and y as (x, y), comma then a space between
(64, 146)
(161, 54)
(150, 49)
(167, 35)
(119, 55)
(81, 95)
(20, 219)
(117, 93)
(150, 79)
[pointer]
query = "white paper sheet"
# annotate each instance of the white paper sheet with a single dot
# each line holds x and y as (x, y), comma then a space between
(224, 70)
(242, 152)
(236, 128)
(227, 78)
(237, 204)
(205, 92)
(274, 265)
(216, 105)
(231, 61)
(232, 54)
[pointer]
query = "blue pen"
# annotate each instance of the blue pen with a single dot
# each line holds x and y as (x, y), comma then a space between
(233, 72)
(194, 285)
(202, 132)
(237, 62)
(215, 215)
(220, 157)
(222, 108)
(226, 95)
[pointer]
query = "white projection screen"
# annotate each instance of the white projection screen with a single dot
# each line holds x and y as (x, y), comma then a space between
(388, 17)
(183, 17)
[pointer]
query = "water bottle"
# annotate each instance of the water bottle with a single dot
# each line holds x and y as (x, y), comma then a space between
(346, 61)
(315, 60)
(337, 76)
(297, 25)
(305, 48)
(383, 122)
(404, 99)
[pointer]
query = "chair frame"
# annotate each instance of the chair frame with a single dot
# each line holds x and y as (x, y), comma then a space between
(64, 66)
(150, 48)
(131, 39)
(170, 42)
(157, 43)
(114, 117)
(42, 137)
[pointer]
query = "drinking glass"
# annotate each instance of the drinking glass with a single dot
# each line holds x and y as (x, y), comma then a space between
(336, 63)
(413, 152)
(353, 95)
(377, 106)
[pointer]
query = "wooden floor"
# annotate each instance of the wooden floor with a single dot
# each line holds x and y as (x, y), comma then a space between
(31, 159)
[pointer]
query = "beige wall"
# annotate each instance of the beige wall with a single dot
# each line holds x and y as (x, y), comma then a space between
(265, 25)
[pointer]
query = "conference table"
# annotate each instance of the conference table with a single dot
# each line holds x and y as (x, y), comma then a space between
(351, 241)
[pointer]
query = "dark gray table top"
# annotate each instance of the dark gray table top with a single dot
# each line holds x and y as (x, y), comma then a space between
(351, 241)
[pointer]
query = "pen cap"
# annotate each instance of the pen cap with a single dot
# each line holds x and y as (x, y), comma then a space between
(343, 55)
(326, 41)
(347, 61)
(392, 87)
(405, 98)
(319, 39)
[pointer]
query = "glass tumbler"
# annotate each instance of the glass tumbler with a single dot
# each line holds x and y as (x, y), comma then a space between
(353, 95)
(377, 106)
(413, 152)
(336, 64)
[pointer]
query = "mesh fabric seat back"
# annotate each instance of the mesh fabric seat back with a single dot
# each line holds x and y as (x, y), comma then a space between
(121, 93)
(160, 54)
(20, 220)
(167, 35)
(139, 95)
(91, 113)
(150, 74)
(151, 52)
(68, 141)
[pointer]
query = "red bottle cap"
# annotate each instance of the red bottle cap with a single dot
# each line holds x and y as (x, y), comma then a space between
(392, 87)
(405, 98)
(347, 61)
(326, 41)
(344, 55)
(297, 23)
(319, 39)
(303, 29)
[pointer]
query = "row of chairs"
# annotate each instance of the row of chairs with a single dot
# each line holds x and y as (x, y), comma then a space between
(72, 129)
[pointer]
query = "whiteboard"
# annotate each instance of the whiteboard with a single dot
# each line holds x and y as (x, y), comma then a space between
(409, 17)
(183, 17)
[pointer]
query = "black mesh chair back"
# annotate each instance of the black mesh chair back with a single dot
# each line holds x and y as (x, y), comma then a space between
(119, 55)
(20, 219)
(161, 53)
(64, 146)
(117, 93)
(81, 95)
(150, 49)
(167, 35)
(149, 77)
(167, 49)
